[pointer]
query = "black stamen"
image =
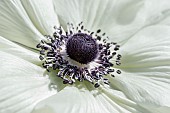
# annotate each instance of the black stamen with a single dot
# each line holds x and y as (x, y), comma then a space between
(118, 72)
(96, 85)
(83, 48)
(99, 30)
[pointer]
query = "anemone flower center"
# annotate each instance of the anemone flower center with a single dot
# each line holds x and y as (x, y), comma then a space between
(82, 48)
(94, 56)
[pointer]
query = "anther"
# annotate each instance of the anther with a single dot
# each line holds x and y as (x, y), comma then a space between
(96, 85)
(118, 72)
(84, 47)
(99, 30)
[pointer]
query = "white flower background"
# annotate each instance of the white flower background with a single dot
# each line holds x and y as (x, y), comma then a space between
(141, 27)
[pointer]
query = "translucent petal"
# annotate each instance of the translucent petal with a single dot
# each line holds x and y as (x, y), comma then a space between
(42, 15)
(91, 100)
(120, 19)
(160, 110)
(14, 49)
(79, 100)
(148, 92)
(145, 68)
(22, 85)
(115, 101)
(15, 24)
(149, 48)
(156, 11)
(71, 100)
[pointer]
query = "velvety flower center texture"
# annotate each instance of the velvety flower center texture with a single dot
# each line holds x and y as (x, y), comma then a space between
(82, 48)
(80, 54)
(79, 67)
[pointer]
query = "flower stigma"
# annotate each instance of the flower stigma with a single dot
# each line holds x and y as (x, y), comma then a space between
(80, 55)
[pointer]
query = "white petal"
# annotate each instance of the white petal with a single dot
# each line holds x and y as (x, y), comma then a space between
(42, 15)
(160, 110)
(15, 24)
(116, 102)
(14, 49)
(22, 84)
(149, 48)
(149, 92)
(71, 100)
(146, 67)
(166, 21)
(91, 100)
(156, 11)
(120, 19)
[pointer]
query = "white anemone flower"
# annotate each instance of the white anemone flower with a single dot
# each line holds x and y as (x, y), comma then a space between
(140, 27)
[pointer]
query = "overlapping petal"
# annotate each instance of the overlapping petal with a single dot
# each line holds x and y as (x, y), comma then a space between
(14, 49)
(24, 22)
(72, 100)
(143, 86)
(42, 15)
(156, 11)
(146, 68)
(81, 100)
(118, 18)
(15, 24)
(22, 84)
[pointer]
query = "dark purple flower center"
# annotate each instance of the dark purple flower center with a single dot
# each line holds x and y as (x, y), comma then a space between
(82, 48)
